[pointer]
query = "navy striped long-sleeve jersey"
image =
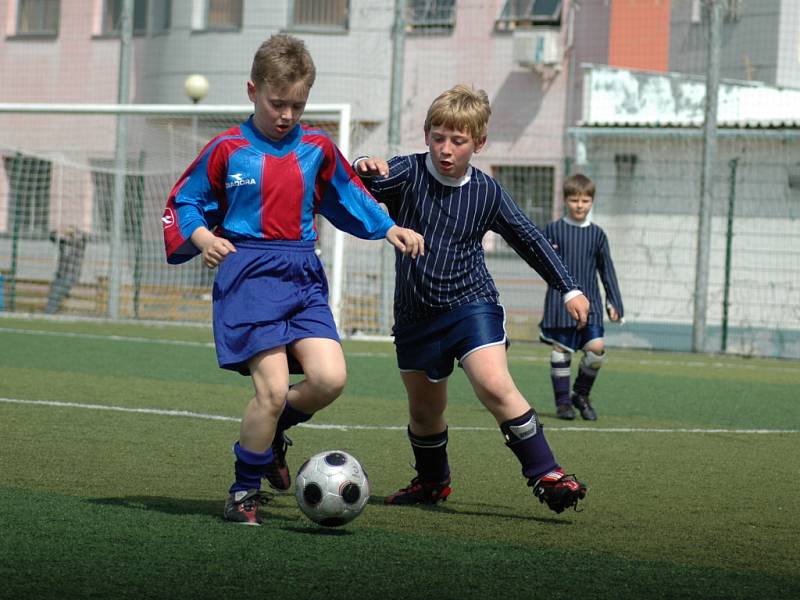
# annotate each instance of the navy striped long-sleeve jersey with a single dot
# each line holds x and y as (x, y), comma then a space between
(584, 249)
(453, 215)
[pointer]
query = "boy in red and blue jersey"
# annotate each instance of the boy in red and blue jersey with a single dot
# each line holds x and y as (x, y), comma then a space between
(248, 205)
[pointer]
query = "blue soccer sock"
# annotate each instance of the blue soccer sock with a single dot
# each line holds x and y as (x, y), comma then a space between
(430, 456)
(249, 468)
(560, 375)
(525, 436)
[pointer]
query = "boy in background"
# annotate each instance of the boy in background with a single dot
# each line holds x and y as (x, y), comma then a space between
(446, 304)
(583, 247)
(248, 205)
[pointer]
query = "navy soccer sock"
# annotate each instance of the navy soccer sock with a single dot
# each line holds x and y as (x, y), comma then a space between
(560, 375)
(587, 373)
(289, 418)
(525, 436)
(430, 455)
(249, 468)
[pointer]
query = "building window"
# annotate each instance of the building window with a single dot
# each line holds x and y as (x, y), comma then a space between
(28, 194)
(528, 13)
(625, 170)
(224, 15)
(794, 181)
(37, 17)
(322, 14)
(426, 15)
(532, 188)
(162, 16)
(112, 16)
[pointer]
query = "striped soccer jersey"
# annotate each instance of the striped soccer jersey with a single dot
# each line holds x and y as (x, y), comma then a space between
(250, 187)
(584, 249)
(453, 216)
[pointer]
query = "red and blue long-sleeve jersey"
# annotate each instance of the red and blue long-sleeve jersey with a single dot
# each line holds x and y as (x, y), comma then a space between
(246, 186)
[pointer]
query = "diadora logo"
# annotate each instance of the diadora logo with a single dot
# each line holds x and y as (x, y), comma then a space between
(237, 179)
(168, 219)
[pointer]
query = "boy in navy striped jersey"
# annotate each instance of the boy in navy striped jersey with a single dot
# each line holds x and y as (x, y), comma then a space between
(446, 305)
(583, 247)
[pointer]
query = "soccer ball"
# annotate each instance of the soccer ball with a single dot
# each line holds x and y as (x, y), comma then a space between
(332, 488)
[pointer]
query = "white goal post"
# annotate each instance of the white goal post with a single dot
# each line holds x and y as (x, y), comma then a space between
(83, 185)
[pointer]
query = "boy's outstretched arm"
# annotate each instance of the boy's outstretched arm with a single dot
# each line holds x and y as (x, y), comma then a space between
(578, 309)
(407, 241)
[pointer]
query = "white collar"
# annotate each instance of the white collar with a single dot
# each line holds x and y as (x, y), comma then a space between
(450, 181)
(585, 223)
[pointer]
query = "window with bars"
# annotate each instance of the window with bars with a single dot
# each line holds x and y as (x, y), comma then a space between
(531, 187)
(320, 14)
(427, 15)
(112, 16)
(38, 17)
(224, 15)
(528, 12)
(103, 193)
(29, 181)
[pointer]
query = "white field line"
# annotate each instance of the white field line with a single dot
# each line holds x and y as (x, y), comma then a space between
(194, 415)
(789, 367)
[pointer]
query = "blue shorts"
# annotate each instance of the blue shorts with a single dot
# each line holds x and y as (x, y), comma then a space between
(433, 344)
(269, 294)
(571, 338)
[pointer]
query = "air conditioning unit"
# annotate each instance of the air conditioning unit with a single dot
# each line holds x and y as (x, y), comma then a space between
(537, 47)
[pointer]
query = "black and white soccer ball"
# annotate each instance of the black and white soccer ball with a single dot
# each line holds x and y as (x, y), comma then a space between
(332, 488)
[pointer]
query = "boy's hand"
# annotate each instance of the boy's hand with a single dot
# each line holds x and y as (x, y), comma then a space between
(213, 249)
(370, 167)
(407, 241)
(613, 314)
(578, 309)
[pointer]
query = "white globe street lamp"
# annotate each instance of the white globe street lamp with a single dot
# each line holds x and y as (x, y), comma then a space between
(196, 87)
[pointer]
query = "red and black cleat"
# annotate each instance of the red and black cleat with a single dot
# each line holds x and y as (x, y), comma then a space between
(559, 491)
(421, 492)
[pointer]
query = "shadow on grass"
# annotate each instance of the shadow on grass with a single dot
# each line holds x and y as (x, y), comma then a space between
(175, 506)
(455, 508)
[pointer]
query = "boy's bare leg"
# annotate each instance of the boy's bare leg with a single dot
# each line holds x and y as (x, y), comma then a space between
(487, 370)
(270, 372)
(325, 374)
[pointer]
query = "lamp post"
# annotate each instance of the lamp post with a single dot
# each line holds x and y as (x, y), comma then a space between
(196, 87)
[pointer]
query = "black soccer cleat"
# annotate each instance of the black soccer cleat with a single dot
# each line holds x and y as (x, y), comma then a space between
(421, 492)
(277, 472)
(565, 411)
(559, 491)
(584, 405)
(242, 507)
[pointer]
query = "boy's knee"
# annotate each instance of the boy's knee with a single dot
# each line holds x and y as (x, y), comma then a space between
(330, 385)
(592, 360)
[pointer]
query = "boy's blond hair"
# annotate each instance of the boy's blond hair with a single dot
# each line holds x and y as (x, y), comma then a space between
(461, 108)
(578, 184)
(283, 60)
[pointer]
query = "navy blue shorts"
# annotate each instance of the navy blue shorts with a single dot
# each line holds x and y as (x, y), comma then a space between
(571, 338)
(433, 344)
(269, 294)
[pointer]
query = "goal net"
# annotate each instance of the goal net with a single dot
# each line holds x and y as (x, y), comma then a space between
(75, 240)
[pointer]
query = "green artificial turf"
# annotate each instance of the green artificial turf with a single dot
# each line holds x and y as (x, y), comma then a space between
(115, 460)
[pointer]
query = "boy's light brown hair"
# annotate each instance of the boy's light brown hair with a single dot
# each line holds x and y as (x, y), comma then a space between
(578, 184)
(461, 108)
(283, 60)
